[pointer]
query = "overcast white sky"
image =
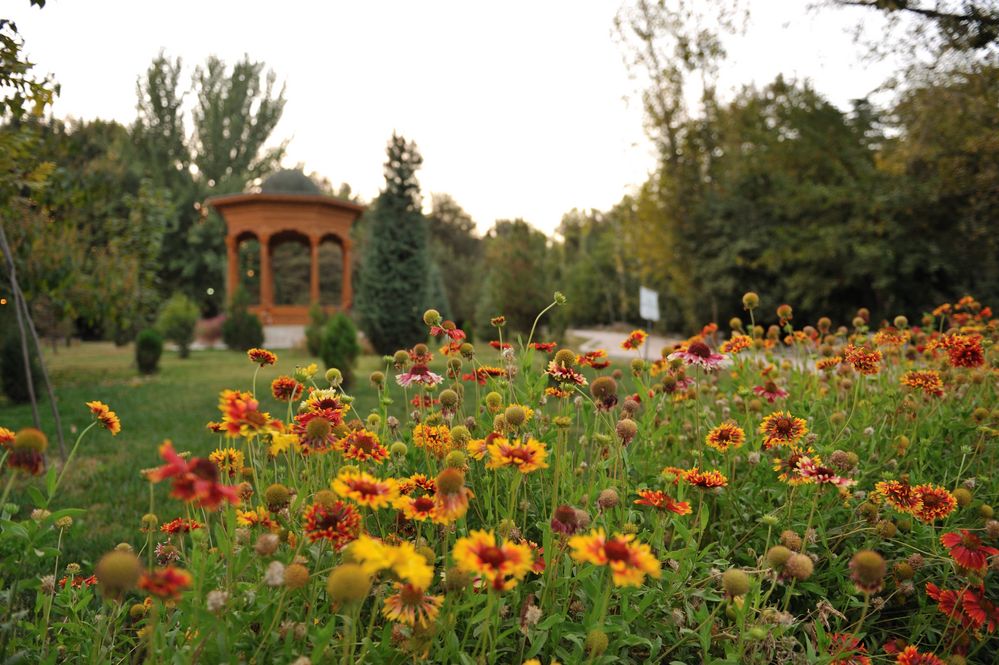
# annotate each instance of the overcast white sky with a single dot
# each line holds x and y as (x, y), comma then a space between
(521, 109)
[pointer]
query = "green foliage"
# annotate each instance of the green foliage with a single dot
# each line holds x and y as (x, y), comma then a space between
(339, 347)
(456, 253)
(242, 329)
(236, 109)
(148, 349)
(13, 378)
(601, 280)
(392, 279)
(177, 321)
(517, 282)
(314, 331)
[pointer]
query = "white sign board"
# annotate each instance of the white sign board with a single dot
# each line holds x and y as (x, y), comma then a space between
(648, 304)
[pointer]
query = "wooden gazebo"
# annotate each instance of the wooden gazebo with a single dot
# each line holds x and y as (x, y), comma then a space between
(289, 206)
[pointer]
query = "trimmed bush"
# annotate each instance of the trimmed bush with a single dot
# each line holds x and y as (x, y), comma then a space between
(314, 331)
(148, 349)
(14, 378)
(177, 321)
(340, 347)
(242, 330)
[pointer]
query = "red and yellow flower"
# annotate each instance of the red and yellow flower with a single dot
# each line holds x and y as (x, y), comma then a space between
(435, 439)
(526, 455)
(725, 437)
(926, 380)
(502, 562)
(634, 340)
(628, 560)
(108, 418)
(165, 583)
(241, 414)
(363, 445)
(412, 606)
(262, 357)
(366, 490)
(339, 523)
(286, 389)
(780, 428)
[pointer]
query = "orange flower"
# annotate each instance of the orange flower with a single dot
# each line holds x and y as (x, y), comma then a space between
(417, 481)
(725, 436)
(363, 445)
(502, 562)
(629, 561)
(435, 439)
(107, 417)
(928, 381)
(286, 389)
(6, 437)
(262, 357)
(828, 363)
(662, 501)
(241, 415)
(736, 344)
(165, 583)
(891, 336)
(181, 525)
(780, 428)
(911, 656)
(863, 360)
(634, 340)
(705, 479)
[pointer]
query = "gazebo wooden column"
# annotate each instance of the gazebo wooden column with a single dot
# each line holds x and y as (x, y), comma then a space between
(266, 279)
(346, 291)
(267, 216)
(314, 269)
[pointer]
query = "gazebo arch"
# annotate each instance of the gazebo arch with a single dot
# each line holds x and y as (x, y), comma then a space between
(289, 204)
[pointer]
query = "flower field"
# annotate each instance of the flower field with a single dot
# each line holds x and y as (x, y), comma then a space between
(769, 491)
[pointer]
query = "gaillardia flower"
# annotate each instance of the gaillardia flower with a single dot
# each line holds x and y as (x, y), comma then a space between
(780, 428)
(502, 562)
(365, 489)
(699, 354)
(108, 418)
(629, 561)
(525, 455)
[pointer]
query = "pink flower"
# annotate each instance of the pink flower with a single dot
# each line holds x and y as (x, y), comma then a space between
(770, 391)
(418, 374)
(807, 468)
(699, 353)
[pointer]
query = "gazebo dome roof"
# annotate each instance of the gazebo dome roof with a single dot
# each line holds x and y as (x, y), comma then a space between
(289, 181)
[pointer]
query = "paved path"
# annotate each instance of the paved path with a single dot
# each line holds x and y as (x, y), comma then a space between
(610, 341)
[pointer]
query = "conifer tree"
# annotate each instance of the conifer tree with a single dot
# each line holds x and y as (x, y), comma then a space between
(392, 279)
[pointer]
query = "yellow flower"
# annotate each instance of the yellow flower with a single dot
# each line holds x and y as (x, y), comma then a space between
(283, 442)
(228, 460)
(526, 456)
(402, 559)
(629, 561)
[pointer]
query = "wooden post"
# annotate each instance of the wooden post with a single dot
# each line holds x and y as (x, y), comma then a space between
(266, 286)
(346, 291)
(232, 270)
(314, 271)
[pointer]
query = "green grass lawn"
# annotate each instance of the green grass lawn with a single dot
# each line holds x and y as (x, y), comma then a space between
(174, 404)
